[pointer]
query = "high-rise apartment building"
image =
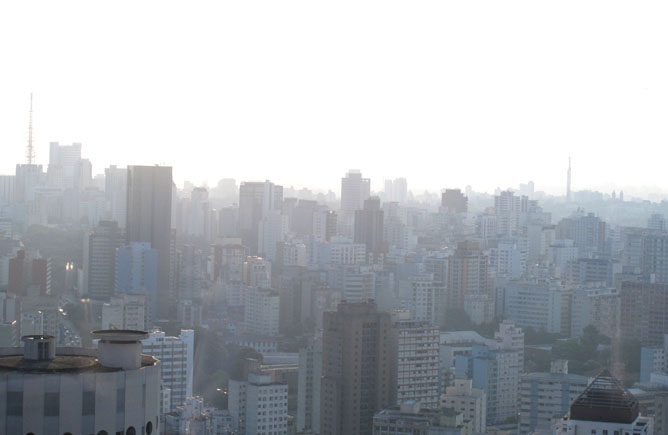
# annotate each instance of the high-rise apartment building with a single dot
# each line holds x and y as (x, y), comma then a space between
(261, 311)
(149, 214)
(354, 191)
(369, 227)
(507, 208)
(259, 406)
(467, 274)
(359, 370)
(418, 363)
(99, 260)
(471, 402)
(176, 356)
(308, 389)
(256, 201)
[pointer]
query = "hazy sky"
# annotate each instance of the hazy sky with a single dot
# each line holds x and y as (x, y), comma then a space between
(445, 93)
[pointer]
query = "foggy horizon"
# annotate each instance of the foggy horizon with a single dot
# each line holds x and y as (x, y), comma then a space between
(442, 94)
(333, 218)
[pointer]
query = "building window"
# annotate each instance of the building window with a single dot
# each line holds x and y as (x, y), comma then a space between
(88, 404)
(120, 400)
(15, 403)
(51, 404)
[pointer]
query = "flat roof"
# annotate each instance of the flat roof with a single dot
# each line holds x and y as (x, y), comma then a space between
(62, 364)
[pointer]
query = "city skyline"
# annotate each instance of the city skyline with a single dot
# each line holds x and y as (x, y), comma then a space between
(395, 92)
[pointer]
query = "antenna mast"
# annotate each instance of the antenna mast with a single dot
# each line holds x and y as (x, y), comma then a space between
(30, 150)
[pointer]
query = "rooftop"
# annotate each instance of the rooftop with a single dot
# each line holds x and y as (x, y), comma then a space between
(86, 361)
(605, 399)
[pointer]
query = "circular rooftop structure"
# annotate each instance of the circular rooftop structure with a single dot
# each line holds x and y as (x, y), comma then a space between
(120, 335)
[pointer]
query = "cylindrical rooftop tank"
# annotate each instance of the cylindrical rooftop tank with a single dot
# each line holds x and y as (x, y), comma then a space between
(119, 348)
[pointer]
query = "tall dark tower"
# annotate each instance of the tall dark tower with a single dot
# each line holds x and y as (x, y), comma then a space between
(149, 219)
(359, 368)
(568, 182)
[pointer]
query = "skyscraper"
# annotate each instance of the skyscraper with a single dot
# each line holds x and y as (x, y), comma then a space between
(256, 201)
(454, 201)
(100, 246)
(149, 211)
(359, 371)
(369, 226)
(354, 190)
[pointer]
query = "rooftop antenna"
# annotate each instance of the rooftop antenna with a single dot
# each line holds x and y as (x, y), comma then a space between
(30, 150)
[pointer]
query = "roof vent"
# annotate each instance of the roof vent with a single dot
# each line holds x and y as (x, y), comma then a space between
(39, 347)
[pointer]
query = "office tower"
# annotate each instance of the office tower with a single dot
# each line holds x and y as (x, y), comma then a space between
(369, 227)
(359, 374)
(418, 363)
(409, 418)
(256, 201)
(116, 192)
(258, 405)
(261, 311)
(125, 311)
(545, 397)
(176, 363)
(472, 402)
(643, 312)
(29, 275)
(605, 407)
(137, 273)
(308, 389)
(454, 201)
(354, 191)
(149, 211)
(467, 275)
(112, 389)
(64, 165)
(99, 260)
